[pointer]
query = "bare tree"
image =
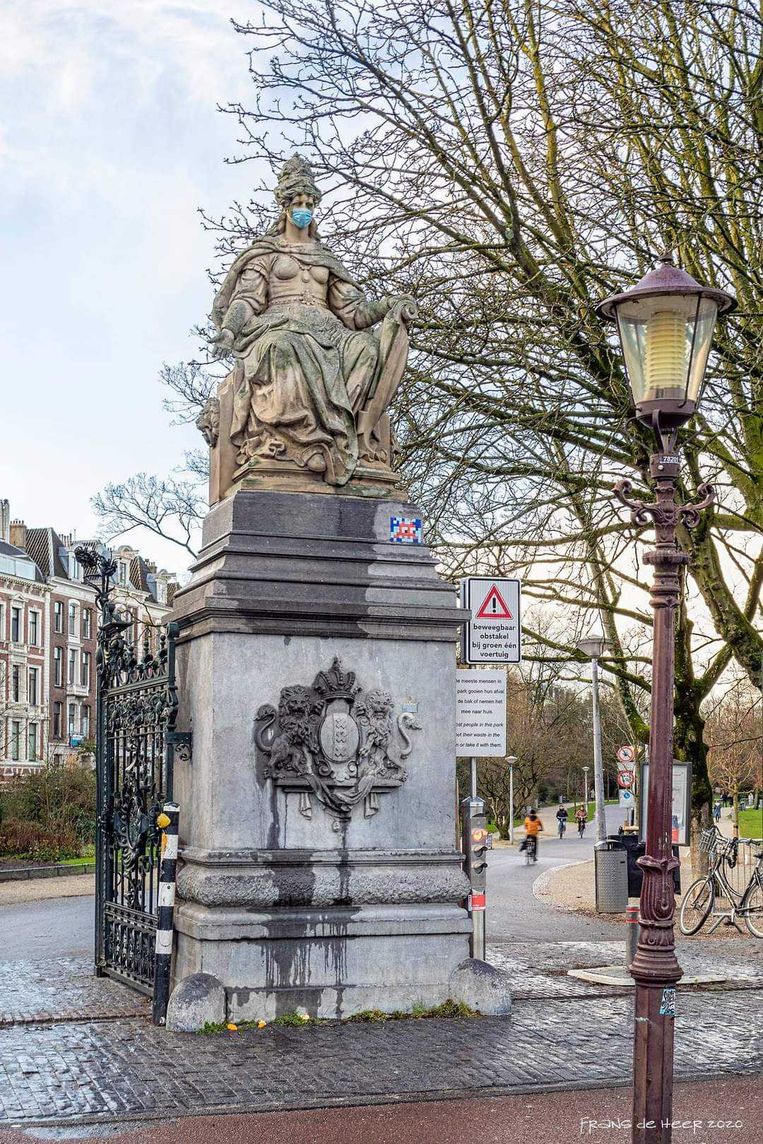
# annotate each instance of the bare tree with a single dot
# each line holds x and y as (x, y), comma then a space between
(170, 508)
(735, 738)
(507, 163)
(510, 162)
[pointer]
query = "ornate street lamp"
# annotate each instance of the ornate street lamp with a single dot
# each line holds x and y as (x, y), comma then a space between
(666, 325)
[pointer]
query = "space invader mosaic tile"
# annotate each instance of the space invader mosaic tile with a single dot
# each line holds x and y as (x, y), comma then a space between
(406, 530)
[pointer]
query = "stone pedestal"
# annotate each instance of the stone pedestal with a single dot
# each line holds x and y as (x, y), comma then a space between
(338, 889)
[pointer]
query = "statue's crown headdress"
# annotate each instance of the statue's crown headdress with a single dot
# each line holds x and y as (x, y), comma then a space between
(296, 178)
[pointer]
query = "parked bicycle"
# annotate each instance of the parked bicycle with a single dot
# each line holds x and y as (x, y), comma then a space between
(698, 903)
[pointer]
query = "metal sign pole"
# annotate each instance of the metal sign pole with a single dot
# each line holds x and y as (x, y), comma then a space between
(511, 803)
(475, 866)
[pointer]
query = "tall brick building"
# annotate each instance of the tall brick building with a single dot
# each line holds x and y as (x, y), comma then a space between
(72, 624)
(24, 611)
(48, 625)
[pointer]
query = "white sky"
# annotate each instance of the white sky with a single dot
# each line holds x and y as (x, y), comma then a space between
(109, 142)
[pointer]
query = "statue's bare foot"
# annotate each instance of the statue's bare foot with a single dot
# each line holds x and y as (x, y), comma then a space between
(317, 463)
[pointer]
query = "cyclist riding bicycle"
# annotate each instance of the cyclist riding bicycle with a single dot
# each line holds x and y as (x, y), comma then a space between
(581, 817)
(533, 827)
(561, 820)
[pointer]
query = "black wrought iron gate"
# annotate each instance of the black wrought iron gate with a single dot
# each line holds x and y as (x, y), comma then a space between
(136, 740)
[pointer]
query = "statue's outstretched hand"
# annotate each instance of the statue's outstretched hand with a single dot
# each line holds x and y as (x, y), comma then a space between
(404, 309)
(222, 344)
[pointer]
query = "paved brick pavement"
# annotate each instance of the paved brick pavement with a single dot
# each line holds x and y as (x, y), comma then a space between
(127, 1068)
(65, 989)
(60, 989)
(540, 970)
(75, 1046)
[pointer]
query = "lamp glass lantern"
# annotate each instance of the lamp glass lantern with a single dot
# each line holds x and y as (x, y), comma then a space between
(666, 324)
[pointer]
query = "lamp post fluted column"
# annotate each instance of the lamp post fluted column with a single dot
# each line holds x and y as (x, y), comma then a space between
(655, 967)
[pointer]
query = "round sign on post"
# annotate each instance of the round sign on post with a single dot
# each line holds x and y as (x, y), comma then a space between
(626, 754)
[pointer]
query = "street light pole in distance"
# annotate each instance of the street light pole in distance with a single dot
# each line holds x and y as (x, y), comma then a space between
(666, 325)
(594, 648)
(511, 759)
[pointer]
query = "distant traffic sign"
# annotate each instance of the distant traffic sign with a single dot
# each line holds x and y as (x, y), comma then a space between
(626, 754)
(494, 633)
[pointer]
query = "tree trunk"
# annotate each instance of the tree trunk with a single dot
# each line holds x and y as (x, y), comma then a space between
(690, 746)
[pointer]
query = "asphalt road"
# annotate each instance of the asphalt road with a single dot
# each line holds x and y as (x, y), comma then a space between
(63, 927)
(53, 927)
(725, 1111)
(515, 914)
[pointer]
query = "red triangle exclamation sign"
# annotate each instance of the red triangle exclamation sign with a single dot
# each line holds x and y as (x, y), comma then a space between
(494, 607)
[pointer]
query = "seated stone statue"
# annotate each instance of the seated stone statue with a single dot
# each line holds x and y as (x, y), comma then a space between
(313, 378)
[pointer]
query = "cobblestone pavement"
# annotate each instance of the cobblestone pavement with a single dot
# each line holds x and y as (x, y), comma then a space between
(74, 1046)
(127, 1068)
(61, 989)
(540, 970)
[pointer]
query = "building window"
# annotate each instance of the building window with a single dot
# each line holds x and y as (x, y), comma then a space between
(58, 666)
(85, 721)
(72, 619)
(15, 684)
(72, 669)
(87, 623)
(34, 629)
(33, 694)
(15, 739)
(31, 752)
(58, 616)
(85, 669)
(16, 625)
(122, 572)
(72, 722)
(58, 710)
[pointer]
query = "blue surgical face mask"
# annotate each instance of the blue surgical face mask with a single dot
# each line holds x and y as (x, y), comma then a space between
(301, 217)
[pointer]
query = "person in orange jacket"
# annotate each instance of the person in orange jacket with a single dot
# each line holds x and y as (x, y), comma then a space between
(533, 827)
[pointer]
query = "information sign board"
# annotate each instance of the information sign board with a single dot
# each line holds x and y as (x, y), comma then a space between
(494, 632)
(681, 810)
(481, 714)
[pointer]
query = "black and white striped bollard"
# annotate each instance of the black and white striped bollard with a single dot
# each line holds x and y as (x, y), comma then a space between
(168, 821)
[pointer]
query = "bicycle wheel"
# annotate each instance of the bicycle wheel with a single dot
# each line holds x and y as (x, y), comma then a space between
(696, 906)
(753, 900)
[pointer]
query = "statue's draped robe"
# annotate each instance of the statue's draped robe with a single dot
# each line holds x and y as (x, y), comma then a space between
(307, 361)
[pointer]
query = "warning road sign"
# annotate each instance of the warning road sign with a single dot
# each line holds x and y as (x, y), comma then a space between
(493, 635)
(494, 607)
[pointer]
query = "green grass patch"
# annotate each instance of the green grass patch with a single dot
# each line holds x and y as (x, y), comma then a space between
(294, 1020)
(751, 823)
(418, 1011)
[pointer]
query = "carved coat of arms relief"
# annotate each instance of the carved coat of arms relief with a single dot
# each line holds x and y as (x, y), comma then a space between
(335, 742)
